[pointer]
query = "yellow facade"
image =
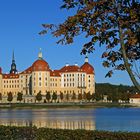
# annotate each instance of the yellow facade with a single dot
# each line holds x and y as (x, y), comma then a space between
(40, 78)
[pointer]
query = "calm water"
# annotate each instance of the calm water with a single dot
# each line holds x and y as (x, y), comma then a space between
(112, 119)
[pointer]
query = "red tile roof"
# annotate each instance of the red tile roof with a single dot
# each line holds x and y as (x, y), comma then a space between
(40, 65)
(27, 71)
(55, 73)
(72, 68)
(135, 96)
(86, 67)
(10, 76)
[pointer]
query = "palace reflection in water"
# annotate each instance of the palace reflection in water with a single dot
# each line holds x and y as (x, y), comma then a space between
(51, 118)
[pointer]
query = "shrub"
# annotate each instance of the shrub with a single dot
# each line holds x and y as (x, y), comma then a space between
(33, 133)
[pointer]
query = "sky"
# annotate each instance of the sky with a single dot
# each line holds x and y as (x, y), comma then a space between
(20, 23)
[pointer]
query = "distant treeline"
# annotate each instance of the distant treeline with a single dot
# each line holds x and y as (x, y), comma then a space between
(114, 92)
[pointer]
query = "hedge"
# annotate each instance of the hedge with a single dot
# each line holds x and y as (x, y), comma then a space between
(33, 133)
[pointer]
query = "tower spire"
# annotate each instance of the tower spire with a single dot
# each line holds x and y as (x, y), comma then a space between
(13, 58)
(40, 56)
(13, 65)
(86, 58)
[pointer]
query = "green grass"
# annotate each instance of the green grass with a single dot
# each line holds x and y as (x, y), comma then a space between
(32, 133)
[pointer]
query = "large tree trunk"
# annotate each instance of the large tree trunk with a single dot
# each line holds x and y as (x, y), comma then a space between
(126, 63)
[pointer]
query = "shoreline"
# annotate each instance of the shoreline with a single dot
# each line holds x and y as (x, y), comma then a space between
(69, 105)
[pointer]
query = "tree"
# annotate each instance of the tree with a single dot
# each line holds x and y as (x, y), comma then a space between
(19, 96)
(0, 96)
(124, 96)
(48, 96)
(88, 96)
(67, 97)
(113, 24)
(39, 96)
(73, 96)
(61, 96)
(9, 96)
(97, 96)
(85, 96)
(79, 96)
(54, 96)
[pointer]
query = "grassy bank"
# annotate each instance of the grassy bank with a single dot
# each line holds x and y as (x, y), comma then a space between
(65, 105)
(32, 133)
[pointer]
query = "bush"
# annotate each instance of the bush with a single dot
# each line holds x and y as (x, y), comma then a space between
(32, 133)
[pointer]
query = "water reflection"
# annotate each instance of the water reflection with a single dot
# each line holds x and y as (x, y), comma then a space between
(112, 119)
(50, 118)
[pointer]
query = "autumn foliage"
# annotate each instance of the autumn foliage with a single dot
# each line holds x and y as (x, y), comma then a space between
(113, 24)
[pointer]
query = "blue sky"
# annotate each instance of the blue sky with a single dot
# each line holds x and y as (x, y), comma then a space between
(20, 23)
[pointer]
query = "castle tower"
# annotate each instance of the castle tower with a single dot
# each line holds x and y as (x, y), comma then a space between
(13, 65)
(40, 56)
(86, 59)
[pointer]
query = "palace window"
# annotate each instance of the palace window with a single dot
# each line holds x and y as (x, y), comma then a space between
(40, 84)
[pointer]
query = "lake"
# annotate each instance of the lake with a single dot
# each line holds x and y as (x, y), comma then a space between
(112, 119)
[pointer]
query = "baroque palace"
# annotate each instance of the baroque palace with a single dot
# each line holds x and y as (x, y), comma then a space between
(39, 78)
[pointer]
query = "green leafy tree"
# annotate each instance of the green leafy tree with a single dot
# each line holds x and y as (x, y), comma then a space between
(124, 96)
(73, 96)
(48, 96)
(97, 96)
(39, 96)
(109, 97)
(19, 96)
(61, 96)
(54, 96)
(113, 24)
(9, 97)
(67, 97)
(0, 96)
(88, 96)
(85, 96)
(79, 96)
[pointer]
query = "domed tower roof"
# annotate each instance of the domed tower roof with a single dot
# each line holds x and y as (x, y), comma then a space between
(40, 64)
(86, 67)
